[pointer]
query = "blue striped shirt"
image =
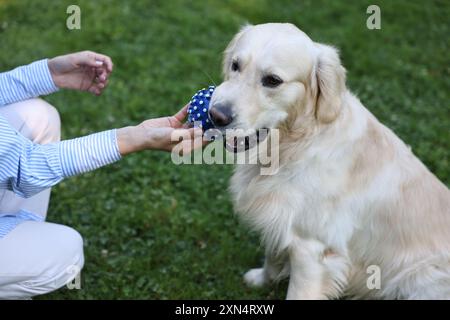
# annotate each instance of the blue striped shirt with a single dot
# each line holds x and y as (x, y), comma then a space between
(27, 168)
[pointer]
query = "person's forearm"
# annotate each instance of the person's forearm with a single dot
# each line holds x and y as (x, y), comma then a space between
(28, 168)
(131, 139)
(146, 137)
(26, 82)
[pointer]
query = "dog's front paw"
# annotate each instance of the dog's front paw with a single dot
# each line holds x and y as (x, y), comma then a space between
(255, 278)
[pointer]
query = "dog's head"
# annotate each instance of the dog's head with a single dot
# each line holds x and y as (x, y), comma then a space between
(275, 75)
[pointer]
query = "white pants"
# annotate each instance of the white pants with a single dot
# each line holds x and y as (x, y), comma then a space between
(36, 257)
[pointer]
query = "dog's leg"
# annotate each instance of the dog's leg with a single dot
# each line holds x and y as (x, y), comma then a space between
(315, 272)
(273, 268)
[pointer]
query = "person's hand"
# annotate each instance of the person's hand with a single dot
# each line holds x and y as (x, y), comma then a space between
(160, 134)
(85, 71)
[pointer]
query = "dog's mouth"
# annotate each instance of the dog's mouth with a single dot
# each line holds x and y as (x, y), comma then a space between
(237, 140)
(242, 141)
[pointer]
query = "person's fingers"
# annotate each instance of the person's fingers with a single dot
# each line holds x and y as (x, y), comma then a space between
(197, 140)
(196, 132)
(181, 115)
(187, 134)
(102, 77)
(107, 62)
(97, 88)
(186, 146)
(187, 125)
(87, 58)
(191, 139)
(191, 132)
(93, 59)
(93, 90)
(101, 74)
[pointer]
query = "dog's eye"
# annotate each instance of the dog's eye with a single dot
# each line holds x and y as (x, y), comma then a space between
(235, 66)
(271, 81)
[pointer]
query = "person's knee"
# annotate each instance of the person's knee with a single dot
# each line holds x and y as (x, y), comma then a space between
(35, 119)
(47, 256)
(43, 122)
(65, 263)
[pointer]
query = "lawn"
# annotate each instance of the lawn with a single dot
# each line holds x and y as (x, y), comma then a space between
(154, 230)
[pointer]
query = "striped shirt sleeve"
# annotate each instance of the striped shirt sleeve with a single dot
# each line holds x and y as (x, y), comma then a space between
(28, 168)
(26, 82)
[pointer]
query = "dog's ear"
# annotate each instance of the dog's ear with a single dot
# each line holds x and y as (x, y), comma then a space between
(327, 83)
(230, 48)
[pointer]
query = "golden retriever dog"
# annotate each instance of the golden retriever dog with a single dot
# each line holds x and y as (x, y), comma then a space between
(349, 202)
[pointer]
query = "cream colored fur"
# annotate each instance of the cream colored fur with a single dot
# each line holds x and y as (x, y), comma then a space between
(348, 194)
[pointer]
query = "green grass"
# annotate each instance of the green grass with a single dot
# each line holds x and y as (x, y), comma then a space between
(154, 230)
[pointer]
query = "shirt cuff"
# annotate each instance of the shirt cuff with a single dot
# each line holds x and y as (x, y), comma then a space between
(88, 153)
(26, 82)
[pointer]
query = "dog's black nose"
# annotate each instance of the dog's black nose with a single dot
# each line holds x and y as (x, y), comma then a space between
(221, 114)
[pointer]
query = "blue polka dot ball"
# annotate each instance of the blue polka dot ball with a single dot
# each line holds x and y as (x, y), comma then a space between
(198, 108)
